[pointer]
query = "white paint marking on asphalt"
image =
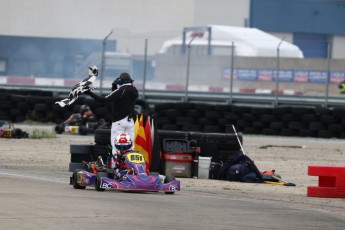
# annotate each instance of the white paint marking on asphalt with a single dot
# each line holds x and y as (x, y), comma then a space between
(3, 172)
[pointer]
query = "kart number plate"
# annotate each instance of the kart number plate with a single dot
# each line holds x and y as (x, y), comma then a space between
(135, 158)
(7, 133)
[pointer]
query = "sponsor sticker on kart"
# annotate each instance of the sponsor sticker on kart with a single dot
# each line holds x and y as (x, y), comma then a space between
(173, 188)
(72, 129)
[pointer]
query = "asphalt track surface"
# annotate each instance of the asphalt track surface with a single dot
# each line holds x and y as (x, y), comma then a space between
(38, 200)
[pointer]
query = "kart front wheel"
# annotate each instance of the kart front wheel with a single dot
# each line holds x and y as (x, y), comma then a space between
(98, 181)
(168, 179)
(74, 180)
(59, 128)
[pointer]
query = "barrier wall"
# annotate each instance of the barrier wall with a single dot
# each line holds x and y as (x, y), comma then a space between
(20, 105)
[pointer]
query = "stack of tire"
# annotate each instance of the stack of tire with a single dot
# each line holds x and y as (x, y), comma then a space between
(89, 152)
(282, 121)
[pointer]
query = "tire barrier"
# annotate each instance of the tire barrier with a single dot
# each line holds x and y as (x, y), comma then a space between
(320, 122)
(282, 121)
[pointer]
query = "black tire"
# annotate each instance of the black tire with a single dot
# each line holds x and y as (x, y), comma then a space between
(211, 129)
(81, 153)
(168, 179)
(327, 119)
(337, 128)
(101, 150)
(270, 132)
(288, 132)
(194, 113)
(338, 113)
(41, 107)
(74, 180)
(248, 117)
(316, 126)
(191, 128)
(206, 121)
(267, 118)
(172, 113)
(73, 166)
(296, 125)
(212, 115)
(184, 105)
(250, 130)
(163, 106)
(288, 117)
(307, 133)
(301, 110)
(258, 125)
(59, 129)
(83, 130)
(102, 136)
(180, 120)
(81, 149)
(171, 127)
(309, 118)
(78, 158)
(326, 134)
(17, 133)
(277, 125)
(98, 181)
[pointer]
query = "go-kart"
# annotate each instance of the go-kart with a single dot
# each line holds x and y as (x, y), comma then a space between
(76, 128)
(136, 178)
(7, 130)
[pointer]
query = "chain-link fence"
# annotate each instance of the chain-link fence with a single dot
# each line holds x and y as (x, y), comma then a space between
(197, 62)
(173, 65)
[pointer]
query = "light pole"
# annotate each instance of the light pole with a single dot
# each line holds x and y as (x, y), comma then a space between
(329, 55)
(278, 68)
(145, 64)
(103, 62)
(188, 67)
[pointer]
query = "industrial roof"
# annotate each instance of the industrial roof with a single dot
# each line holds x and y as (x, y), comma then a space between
(249, 42)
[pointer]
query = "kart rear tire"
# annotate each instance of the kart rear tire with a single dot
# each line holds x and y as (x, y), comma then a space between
(98, 181)
(83, 130)
(168, 179)
(74, 180)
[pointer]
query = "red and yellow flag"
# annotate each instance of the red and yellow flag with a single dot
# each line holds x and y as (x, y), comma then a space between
(143, 141)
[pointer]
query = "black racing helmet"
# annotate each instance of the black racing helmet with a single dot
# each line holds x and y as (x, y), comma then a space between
(84, 108)
(124, 78)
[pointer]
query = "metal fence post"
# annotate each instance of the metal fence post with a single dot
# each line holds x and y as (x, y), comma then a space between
(277, 72)
(103, 62)
(188, 67)
(145, 63)
(329, 53)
